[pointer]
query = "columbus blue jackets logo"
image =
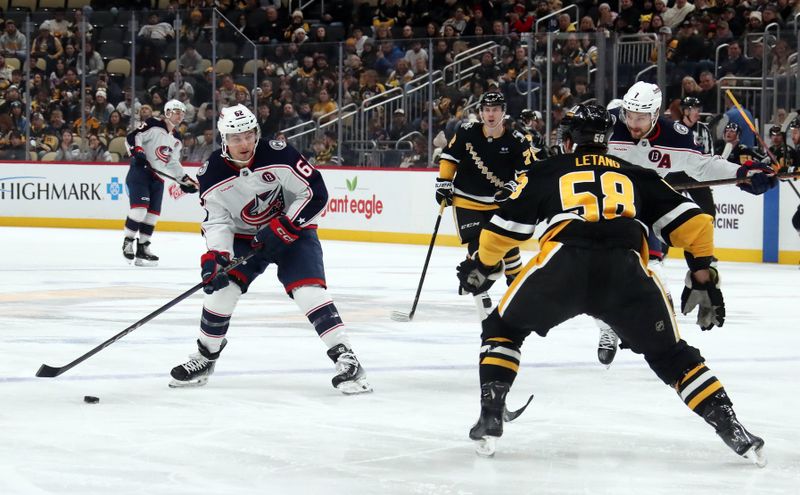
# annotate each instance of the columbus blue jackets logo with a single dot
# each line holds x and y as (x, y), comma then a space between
(263, 207)
(277, 144)
(163, 153)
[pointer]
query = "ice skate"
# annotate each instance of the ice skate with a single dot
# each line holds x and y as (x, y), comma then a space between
(735, 435)
(607, 346)
(350, 375)
(127, 249)
(490, 423)
(195, 372)
(144, 257)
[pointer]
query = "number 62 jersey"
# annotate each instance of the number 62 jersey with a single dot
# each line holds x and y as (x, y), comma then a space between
(238, 201)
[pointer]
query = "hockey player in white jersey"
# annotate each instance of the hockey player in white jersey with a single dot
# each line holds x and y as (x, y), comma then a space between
(643, 137)
(155, 149)
(264, 196)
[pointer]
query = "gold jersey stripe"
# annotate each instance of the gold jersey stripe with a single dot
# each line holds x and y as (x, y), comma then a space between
(535, 262)
(691, 373)
(447, 169)
(501, 362)
(493, 247)
(696, 235)
(713, 387)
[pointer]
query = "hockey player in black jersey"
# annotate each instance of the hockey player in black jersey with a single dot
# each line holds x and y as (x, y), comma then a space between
(732, 149)
(779, 148)
(597, 210)
(264, 196)
(528, 120)
(479, 167)
(793, 131)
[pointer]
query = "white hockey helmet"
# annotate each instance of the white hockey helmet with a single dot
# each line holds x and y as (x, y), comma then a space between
(174, 105)
(643, 97)
(234, 120)
(615, 103)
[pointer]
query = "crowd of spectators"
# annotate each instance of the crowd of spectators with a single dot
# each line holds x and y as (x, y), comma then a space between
(385, 45)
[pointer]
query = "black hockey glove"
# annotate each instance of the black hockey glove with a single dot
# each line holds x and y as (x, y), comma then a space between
(762, 177)
(444, 191)
(139, 158)
(275, 237)
(188, 185)
(708, 297)
(475, 277)
(506, 191)
(212, 264)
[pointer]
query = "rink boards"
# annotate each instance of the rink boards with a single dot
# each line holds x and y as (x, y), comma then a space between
(389, 205)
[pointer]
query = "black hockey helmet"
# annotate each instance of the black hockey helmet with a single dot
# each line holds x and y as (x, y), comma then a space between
(794, 124)
(586, 125)
(492, 99)
(775, 131)
(691, 102)
(528, 115)
(733, 126)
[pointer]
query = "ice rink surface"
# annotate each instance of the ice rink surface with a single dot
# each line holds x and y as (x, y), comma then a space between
(269, 421)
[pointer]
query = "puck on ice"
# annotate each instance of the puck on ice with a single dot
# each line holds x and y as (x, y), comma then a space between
(90, 399)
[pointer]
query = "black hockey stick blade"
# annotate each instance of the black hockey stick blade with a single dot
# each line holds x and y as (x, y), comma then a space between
(46, 371)
(509, 416)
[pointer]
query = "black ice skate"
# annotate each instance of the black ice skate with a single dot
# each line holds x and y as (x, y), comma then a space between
(735, 435)
(144, 257)
(607, 346)
(490, 423)
(195, 372)
(350, 375)
(127, 249)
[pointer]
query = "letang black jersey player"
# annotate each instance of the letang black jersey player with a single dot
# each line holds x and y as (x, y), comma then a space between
(593, 260)
(480, 166)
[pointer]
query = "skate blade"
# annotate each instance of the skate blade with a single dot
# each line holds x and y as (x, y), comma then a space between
(756, 456)
(486, 446)
(141, 262)
(353, 387)
(189, 384)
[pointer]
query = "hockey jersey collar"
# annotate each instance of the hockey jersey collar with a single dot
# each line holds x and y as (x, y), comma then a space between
(236, 168)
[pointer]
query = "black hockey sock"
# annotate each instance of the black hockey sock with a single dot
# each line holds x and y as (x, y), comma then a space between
(513, 263)
(699, 387)
(499, 360)
(131, 227)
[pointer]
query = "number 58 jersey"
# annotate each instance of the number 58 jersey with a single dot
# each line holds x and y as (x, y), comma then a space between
(238, 201)
(597, 201)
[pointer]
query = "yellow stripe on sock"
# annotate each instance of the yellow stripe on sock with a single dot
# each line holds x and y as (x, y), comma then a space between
(501, 362)
(692, 373)
(498, 339)
(704, 394)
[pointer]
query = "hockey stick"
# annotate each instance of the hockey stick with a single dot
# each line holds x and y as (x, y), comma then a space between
(775, 165)
(399, 315)
(724, 182)
(46, 371)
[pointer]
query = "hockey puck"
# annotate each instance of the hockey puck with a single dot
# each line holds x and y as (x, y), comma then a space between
(91, 400)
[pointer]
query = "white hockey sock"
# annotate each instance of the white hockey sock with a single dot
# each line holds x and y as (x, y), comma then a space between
(318, 307)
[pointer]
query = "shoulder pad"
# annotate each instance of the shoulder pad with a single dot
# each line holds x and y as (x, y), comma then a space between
(277, 144)
(213, 171)
(680, 128)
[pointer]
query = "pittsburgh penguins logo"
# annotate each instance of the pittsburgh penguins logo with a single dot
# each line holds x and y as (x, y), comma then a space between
(263, 207)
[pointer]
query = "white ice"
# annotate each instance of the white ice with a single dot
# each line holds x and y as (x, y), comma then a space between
(269, 421)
